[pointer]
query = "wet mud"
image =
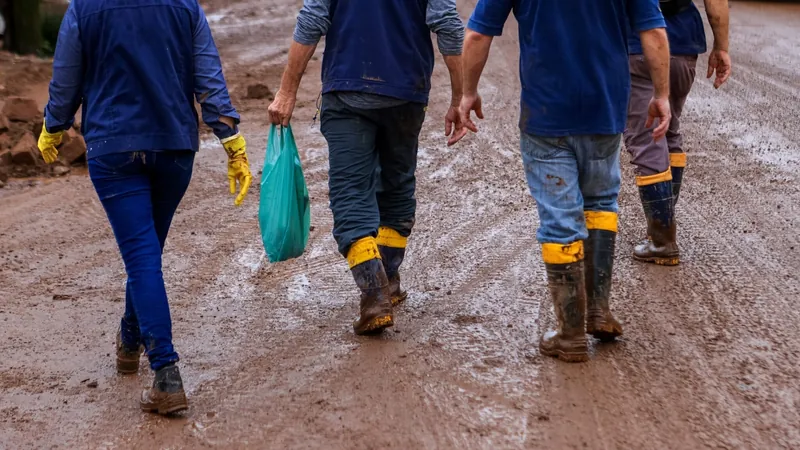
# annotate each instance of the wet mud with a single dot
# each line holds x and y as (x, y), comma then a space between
(710, 357)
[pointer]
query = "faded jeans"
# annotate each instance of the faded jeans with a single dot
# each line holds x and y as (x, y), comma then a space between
(140, 192)
(570, 175)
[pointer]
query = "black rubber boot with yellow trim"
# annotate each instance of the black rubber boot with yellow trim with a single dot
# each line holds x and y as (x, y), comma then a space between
(599, 263)
(392, 246)
(565, 279)
(370, 276)
(677, 162)
(661, 248)
(167, 395)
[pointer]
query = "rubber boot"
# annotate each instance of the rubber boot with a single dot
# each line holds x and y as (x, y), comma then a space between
(368, 272)
(392, 247)
(677, 163)
(661, 248)
(127, 360)
(167, 395)
(599, 263)
(568, 291)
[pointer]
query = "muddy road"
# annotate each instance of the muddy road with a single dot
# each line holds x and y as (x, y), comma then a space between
(710, 359)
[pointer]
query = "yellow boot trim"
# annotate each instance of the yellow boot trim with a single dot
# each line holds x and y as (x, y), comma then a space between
(601, 220)
(653, 179)
(388, 237)
(562, 253)
(677, 159)
(362, 251)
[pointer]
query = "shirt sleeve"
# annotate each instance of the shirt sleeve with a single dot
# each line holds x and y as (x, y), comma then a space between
(66, 86)
(490, 16)
(210, 88)
(443, 19)
(645, 15)
(313, 22)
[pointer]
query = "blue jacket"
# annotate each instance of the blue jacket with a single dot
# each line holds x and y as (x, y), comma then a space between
(687, 35)
(136, 67)
(379, 47)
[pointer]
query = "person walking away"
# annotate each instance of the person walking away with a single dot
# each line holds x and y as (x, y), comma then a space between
(376, 78)
(136, 70)
(659, 165)
(575, 87)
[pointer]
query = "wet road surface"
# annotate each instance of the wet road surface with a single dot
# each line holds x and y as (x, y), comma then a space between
(711, 355)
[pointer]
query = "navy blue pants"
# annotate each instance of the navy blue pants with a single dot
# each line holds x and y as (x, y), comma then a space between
(373, 160)
(140, 192)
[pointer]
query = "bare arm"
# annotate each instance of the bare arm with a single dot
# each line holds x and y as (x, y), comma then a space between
(476, 53)
(281, 109)
(656, 51)
(718, 60)
(456, 78)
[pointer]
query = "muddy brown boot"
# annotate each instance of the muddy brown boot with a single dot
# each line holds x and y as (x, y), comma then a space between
(167, 395)
(127, 360)
(376, 306)
(599, 262)
(662, 247)
(568, 343)
(392, 247)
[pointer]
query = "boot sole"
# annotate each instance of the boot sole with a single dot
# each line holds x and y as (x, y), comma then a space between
(670, 261)
(375, 325)
(399, 298)
(569, 357)
(127, 366)
(607, 335)
(170, 405)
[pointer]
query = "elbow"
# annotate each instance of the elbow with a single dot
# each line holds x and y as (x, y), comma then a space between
(474, 37)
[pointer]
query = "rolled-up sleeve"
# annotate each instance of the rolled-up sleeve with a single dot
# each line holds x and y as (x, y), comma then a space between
(210, 88)
(66, 86)
(645, 15)
(490, 16)
(443, 19)
(313, 22)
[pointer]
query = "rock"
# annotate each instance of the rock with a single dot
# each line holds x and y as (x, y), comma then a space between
(258, 91)
(3, 123)
(5, 158)
(3, 176)
(21, 109)
(73, 148)
(60, 170)
(25, 152)
(5, 142)
(36, 127)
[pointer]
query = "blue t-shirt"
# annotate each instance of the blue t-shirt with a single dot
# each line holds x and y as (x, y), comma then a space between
(573, 59)
(687, 36)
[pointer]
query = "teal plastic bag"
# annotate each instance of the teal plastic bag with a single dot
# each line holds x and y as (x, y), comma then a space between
(284, 214)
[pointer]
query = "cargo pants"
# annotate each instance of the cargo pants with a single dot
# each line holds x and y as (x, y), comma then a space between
(650, 157)
(373, 161)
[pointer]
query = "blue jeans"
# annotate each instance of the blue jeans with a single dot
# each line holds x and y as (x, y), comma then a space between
(570, 175)
(373, 160)
(140, 192)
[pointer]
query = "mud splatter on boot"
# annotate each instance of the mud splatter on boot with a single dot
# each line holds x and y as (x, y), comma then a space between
(127, 360)
(392, 247)
(677, 162)
(167, 395)
(566, 282)
(599, 262)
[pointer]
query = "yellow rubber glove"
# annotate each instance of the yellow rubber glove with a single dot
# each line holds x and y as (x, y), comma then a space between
(238, 167)
(48, 143)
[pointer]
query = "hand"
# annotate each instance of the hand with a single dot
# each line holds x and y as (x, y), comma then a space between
(238, 167)
(469, 103)
(719, 61)
(48, 143)
(282, 108)
(452, 123)
(658, 109)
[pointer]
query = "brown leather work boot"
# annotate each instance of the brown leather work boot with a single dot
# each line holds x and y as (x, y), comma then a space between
(661, 248)
(599, 262)
(568, 343)
(376, 305)
(127, 361)
(167, 395)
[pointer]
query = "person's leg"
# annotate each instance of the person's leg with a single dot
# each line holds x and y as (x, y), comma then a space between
(682, 75)
(552, 174)
(123, 185)
(170, 177)
(351, 134)
(598, 162)
(397, 143)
